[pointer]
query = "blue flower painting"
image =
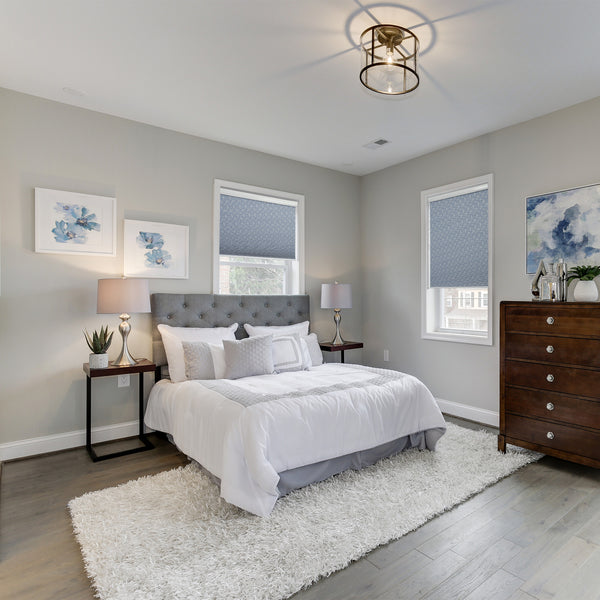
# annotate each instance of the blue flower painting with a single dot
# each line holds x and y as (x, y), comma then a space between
(157, 256)
(74, 224)
(564, 225)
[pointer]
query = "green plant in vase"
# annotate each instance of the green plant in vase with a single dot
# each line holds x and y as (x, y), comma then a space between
(585, 289)
(99, 343)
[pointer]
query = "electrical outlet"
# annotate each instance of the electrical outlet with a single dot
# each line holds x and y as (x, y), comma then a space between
(386, 356)
(123, 380)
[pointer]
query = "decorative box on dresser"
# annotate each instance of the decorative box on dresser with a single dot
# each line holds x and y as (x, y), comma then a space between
(550, 379)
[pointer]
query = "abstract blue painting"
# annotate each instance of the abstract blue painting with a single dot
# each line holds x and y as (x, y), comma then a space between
(564, 225)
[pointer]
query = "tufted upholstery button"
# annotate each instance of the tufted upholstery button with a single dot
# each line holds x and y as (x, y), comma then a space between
(201, 315)
(214, 305)
(266, 305)
(241, 305)
(254, 315)
(289, 303)
(267, 324)
(184, 305)
(229, 316)
(278, 314)
(168, 316)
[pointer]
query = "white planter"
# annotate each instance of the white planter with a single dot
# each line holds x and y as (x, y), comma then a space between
(98, 361)
(585, 291)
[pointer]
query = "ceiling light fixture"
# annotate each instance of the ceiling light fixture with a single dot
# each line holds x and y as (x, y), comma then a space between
(389, 59)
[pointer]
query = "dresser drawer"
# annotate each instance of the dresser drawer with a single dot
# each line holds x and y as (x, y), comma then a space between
(558, 437)
(553, 319)
(575, 351)
(550, 405)
(554, 378)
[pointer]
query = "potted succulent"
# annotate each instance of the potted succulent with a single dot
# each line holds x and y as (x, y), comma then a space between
(99, 344)
(585, 289)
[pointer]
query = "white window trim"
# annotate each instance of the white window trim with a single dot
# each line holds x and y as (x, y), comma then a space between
(430, 298)
(256, 193)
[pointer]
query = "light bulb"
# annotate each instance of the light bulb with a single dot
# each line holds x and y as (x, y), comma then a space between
(390, 56)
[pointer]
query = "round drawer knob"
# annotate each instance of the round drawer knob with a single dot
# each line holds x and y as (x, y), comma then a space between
(550, 435)
(550, 377)
(550, 320)
(550, 406)
(549, 349)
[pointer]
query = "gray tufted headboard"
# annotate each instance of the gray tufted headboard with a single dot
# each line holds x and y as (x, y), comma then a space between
(212, 310)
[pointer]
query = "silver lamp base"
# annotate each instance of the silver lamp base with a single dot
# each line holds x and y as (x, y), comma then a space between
(124, 359)
(337, 317)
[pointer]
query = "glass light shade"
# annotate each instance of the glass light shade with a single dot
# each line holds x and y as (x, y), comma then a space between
(389, 59)
(336, 295)
(117, 296)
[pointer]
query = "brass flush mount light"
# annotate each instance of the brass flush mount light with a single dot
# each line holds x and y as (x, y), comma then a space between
(389, 59)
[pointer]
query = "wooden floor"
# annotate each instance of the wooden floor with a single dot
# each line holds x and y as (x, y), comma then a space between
(535, 534)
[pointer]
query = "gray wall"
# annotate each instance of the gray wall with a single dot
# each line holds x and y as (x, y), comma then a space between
(555, 152)
(48, 299)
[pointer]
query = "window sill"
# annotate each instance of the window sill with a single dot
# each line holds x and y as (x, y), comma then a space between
(463, 338)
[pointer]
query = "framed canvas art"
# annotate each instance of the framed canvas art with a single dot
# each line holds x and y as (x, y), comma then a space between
(73, 223)
(564, 225)
(155, 250)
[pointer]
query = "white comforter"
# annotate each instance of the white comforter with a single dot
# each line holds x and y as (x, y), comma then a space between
(246, 431)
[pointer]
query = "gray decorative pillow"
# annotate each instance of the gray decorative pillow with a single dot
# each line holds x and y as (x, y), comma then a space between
(203, 360)
(252, 356)
(287, 353)
(316, 356)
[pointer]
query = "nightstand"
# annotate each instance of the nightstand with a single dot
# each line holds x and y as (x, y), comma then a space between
(329, 347)
(142, 366)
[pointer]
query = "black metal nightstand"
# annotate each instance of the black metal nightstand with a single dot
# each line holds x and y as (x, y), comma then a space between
(141, 367)
(329, 347)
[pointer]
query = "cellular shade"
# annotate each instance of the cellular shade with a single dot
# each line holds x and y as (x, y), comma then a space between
(117, 296)
(256, 228)
(336, 295)
(458, 241)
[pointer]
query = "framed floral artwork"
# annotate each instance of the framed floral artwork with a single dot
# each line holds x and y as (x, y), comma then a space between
(73, 223)
(155, 250)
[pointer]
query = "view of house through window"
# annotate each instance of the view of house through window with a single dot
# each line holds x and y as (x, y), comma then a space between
(258, 240)
(465, 309)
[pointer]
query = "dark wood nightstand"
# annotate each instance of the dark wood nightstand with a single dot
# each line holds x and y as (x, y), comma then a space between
(142, 366)
(329, 347)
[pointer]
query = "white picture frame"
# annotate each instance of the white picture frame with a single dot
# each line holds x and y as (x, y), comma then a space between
(74, 223)
(155, 250)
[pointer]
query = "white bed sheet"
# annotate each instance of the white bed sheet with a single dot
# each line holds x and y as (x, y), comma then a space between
(301, 418)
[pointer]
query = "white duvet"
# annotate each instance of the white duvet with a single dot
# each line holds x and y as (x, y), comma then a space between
(246, 431)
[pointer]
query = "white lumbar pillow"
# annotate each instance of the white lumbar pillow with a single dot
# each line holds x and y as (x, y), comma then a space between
(275, 330)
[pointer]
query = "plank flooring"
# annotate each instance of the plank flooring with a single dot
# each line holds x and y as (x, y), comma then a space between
(533, 536)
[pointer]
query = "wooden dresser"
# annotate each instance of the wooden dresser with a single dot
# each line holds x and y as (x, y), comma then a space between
(550, 379)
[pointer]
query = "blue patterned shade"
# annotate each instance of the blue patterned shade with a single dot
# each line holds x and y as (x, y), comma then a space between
(458, 241)
(257, 228)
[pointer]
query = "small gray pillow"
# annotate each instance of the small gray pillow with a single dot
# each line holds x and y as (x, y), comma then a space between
(198, 360)
(316, 356)
(252, 356)
(288, 355)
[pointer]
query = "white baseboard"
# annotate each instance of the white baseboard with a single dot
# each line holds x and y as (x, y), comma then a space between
(64, 441)
(464, 411)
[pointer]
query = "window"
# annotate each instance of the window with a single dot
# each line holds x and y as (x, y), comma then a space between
(258, 240)
(456, 261)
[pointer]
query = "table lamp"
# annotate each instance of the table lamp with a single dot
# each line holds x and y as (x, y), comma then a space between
(337, 296)
(123, 296)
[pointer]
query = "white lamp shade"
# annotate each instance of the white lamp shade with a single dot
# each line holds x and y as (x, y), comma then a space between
(336, 295)
(116, 296)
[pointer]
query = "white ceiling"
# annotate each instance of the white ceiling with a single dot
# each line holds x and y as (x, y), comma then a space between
(281, 76)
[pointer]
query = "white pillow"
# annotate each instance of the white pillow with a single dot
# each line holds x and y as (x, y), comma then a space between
(203, 361)
(288, 354)
(173, 336)
(314, 350)
(300, 328)
(252, 356)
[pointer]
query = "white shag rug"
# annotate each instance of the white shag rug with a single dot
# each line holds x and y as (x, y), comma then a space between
(171, 536)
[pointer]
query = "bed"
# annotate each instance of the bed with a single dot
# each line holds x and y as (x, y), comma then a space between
(266, 434)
